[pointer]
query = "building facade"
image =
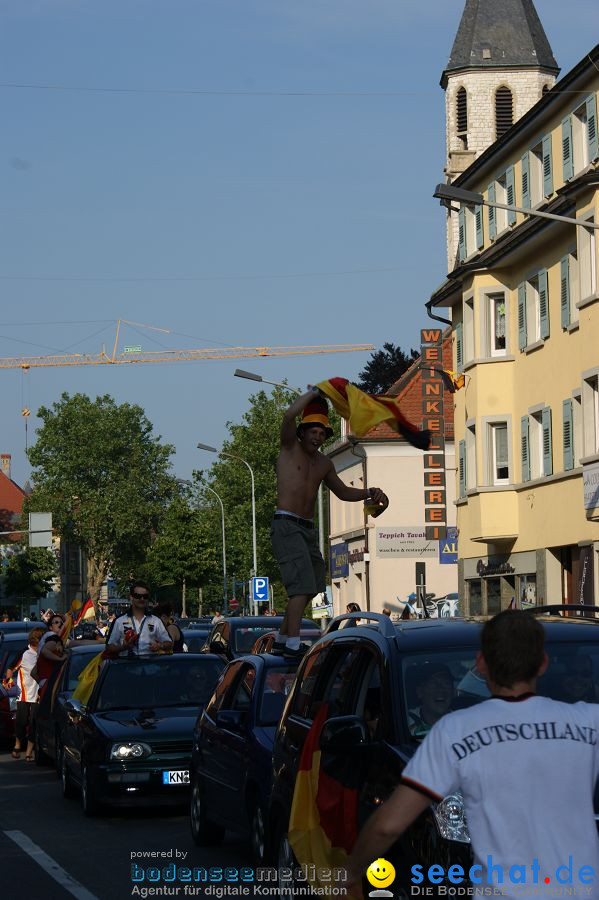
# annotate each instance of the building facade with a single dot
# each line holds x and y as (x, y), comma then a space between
(524, 300)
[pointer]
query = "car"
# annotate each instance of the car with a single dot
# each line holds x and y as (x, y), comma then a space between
(20, 627)
(203, 623)
(131, 744)
(368, 688)
(264, 644)
(86, 631)
(12, 646)
(51, 716)
(236, 635)
(231, 765)
(195, 638)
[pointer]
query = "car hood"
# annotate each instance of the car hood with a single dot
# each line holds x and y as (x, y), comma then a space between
(129, 724)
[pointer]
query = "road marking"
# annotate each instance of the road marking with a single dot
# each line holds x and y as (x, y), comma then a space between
(50, 866)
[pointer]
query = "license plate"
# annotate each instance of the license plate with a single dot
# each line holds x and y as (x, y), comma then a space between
(181, 776)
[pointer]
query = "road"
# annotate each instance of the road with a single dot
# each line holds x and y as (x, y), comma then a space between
(46, 840)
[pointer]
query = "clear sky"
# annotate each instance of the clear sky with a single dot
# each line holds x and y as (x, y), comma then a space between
(253, 172)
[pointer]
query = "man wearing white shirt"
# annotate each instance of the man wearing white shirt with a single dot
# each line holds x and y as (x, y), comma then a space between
(27, 699)
(138, 633)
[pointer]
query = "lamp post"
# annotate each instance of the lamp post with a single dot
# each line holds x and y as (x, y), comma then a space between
(251, 376)
(447, 193)
(222, 513)
(246, 463)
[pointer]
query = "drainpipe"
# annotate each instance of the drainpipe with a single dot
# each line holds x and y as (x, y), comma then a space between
(431, 314)
(362, 455)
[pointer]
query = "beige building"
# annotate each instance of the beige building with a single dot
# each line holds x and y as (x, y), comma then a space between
(373, 563)
(524, 300)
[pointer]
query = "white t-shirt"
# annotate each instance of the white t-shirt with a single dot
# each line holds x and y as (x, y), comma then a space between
(149, 629)
(527, 771)
(28, 688)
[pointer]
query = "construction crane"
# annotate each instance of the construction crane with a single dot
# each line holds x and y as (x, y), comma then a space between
(131, 355)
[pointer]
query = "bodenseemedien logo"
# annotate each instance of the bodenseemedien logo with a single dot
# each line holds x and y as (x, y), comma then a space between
(380, 874)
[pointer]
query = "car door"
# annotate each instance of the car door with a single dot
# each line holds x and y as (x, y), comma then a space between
(212, 770)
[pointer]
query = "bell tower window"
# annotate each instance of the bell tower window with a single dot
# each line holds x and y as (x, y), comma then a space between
(504, 111)
(462, 116)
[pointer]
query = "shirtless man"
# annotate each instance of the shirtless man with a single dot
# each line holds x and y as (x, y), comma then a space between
(301, 468)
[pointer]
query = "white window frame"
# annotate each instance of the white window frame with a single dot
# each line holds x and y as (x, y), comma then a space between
(590, 412)
(471, 479)
(587, 259)
(490, 425)
(489, 300)
(577, 427)
(535, 443)
(580, 143)
(536, 190)
(574, 281)
(533, 311)
(469, 230)
(468, 348)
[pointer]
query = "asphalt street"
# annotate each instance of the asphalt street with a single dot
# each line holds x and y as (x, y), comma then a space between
(51, 851)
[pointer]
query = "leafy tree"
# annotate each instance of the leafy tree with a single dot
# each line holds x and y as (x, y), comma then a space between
(104, 476)
(384, 368)
(30, 573)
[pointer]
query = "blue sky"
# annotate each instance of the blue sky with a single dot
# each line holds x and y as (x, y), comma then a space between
(289, 204)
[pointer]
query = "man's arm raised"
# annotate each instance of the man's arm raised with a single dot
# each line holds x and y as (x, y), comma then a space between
(288, 429)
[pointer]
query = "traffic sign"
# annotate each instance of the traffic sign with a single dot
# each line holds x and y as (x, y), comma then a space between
(260, 589)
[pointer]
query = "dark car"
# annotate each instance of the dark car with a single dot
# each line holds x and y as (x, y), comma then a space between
(195, 638)
(370, 684)
(231, 767)
(21, 627)
(12, 647)
(264, 644)
(132, 742)
(236, 635)
(52, 714)
(204, 623)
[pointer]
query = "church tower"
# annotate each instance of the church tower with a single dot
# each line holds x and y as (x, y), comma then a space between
(500, 65)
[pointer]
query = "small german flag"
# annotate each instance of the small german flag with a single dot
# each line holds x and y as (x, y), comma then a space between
(452, 381)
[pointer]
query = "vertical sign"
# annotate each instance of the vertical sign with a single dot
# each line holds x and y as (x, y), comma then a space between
(435, 510)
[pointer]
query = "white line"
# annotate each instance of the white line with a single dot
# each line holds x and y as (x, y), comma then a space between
(50, 866)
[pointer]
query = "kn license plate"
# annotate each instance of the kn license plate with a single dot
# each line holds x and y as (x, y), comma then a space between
(179, 776)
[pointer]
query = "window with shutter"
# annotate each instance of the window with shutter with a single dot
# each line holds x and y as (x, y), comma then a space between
(461, 235)
(462, 468)
(543, 305)
(567, 162)
(525, 183)
(500, 471)
(479, 228)
(504, 111)
(591, 114)
(568, 435)
(565, 291)
(547, 167)
(462, 115)
(492, 220)
(459, 347)
(522, 316)
(524, 455)
(510, 194)
(547, 443)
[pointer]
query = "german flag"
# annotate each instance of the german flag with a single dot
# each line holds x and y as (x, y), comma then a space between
(452, 381)
(323, 825)
(88, 678)
(87, 611)
(364, 411)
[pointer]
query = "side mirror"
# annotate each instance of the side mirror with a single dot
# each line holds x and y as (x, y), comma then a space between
(343, 733)
(75, 710)
(232, 719)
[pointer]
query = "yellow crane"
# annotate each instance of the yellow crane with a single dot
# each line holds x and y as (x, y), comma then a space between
(134, 354)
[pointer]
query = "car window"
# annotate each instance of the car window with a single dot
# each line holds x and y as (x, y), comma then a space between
(177, 681)
(245, 638)
(223, 688)
(276, 688)
(242, 698)
(77, 664)
(305, 698)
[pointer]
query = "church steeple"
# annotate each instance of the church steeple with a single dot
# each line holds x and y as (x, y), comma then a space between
(500, 34)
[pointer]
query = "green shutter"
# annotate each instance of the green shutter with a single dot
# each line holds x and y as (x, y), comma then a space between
(492, 217)
(565, 291)
(525, 181)
(522, 316)
(547, 442)
(525, 455)
(568, 162)
(568, 436)
(459, 347)
(462, 468)
(480, 240)
(592, 126)
(547, 167)
(543, 304)
(510, 189)
(461, 235)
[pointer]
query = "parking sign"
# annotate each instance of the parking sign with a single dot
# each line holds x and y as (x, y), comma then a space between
(260, 589)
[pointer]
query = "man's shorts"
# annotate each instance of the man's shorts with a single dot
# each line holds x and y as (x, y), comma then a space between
(298, 555)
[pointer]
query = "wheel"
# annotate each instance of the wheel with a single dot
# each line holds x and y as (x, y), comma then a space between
(258, 832)
(89, 796)
(68, 788)
(203, 831)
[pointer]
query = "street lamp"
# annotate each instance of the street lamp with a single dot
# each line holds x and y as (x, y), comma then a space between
(251, 376)
(246, 463)
(447, 193)
(222, 513)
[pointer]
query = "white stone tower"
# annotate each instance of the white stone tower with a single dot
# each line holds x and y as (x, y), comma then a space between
(500, 65)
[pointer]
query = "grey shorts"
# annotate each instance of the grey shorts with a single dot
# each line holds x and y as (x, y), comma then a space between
(298, 555)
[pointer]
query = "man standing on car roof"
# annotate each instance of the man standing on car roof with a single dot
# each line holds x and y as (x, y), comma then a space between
(526, 767)
(301, 468)
(137, 633)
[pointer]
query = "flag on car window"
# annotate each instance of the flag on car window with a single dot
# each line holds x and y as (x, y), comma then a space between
(323, 823)
(88, 678)
(364, 411)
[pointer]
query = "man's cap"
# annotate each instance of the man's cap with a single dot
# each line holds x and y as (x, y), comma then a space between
(317, 413)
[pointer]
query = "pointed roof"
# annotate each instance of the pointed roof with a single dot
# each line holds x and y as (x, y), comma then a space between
(500, 33)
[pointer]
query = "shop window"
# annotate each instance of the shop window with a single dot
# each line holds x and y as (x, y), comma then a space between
(475, 597)
(493, 596)
(528, 589)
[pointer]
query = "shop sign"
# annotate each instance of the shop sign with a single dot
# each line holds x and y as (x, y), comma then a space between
(585, 577)
(590, 483)
(448, 548)
(494, 568)
(339, 561)
(405, 540)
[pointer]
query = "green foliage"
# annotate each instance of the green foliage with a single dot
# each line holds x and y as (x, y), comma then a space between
(384, 368)
(29, 574)
(104, 476)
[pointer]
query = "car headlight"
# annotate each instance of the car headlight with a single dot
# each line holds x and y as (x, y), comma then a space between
(451, 818)
(130, 750)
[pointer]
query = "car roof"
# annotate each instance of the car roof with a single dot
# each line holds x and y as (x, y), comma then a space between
(161, 657)
(267, 660)
(97, 646)
(259, 620)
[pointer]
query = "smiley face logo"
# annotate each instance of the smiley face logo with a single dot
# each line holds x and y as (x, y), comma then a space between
(380, 873)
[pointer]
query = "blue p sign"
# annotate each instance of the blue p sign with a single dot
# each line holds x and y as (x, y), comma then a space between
(259, 588)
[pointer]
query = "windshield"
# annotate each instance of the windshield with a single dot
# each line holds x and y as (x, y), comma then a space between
(245, 638)
(78, 663)
(437, 683)
(277, 686)
(146, 684)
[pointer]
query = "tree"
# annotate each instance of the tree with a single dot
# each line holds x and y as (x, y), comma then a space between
(384, 368)
(104, 476)
(30, 574)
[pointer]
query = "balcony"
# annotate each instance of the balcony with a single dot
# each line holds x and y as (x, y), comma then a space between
(491, 517)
